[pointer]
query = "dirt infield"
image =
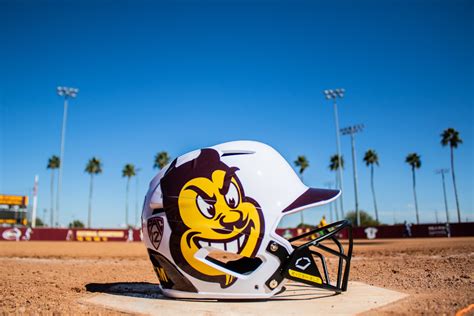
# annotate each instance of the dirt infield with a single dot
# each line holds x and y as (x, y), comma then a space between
(38, 277)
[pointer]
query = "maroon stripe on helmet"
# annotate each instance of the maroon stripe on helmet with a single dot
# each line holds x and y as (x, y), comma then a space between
(311, 196)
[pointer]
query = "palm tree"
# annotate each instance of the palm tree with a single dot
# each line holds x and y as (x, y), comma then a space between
(302, 163)
(128, 171)
(414, 161)
(53, 163)
(371, 158)
(161, 159)
(451, 136)
(334, 166)
(93, 167)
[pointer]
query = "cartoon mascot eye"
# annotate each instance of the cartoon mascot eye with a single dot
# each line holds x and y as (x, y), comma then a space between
(207, 209)
(232, 196)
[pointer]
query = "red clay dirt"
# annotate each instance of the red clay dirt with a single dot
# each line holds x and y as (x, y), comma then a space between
(46, 277)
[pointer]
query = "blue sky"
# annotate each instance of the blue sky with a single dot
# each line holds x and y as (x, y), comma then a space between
(181, 75)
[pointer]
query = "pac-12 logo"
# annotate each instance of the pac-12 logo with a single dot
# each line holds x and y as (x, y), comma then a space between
(206, 206)
(155, 231)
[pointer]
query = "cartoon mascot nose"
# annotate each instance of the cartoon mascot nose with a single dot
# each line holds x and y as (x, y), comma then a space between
(234, 219)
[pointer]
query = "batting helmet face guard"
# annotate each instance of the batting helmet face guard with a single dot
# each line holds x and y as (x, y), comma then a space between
(209, 223)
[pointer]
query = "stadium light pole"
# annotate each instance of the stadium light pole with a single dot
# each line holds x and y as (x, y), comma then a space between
(333, 95)
(67, 93)
(443, 171)
(35, 202)
(351, 130)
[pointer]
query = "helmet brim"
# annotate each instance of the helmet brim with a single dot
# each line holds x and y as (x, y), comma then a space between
(311, 198)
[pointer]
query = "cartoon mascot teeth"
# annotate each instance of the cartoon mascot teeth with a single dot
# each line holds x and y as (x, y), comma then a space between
(206, 206)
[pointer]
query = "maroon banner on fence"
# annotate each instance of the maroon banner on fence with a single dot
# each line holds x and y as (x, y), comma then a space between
(101, 235)
(395, 231)
(71, 234)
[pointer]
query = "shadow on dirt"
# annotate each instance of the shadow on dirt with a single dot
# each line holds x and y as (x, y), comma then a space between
(296, 292)
(134, 289)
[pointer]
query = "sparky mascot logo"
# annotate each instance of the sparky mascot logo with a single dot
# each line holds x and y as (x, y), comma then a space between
(206, 206)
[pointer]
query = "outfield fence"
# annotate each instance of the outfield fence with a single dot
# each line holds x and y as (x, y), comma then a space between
(131, 235)
(69, 234)
(396, 231)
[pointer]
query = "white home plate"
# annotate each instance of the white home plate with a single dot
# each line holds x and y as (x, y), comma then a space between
(144, 298)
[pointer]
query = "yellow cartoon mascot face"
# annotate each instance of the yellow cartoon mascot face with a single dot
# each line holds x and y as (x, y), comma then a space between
(206, 206)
